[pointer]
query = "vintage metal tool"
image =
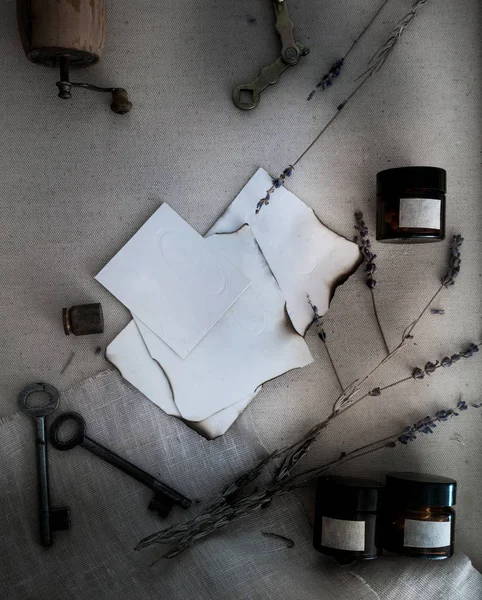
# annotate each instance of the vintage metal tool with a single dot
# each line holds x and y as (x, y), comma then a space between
(291, 52)
(165, 497)
(50, 519)
(64, 34)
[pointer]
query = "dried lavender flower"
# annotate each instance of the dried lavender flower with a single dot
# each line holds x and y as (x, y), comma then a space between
(317, 320)
(437, 311)
(418, 373)
(364, 244)
(327, 79)
(426, 425)
(471, 350)
(430, 367)
(334, 72)
(455, 261)
(277, 183)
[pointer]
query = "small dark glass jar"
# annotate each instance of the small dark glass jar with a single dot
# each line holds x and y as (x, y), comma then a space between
(411, 204)
(346, 518)
(417, 515)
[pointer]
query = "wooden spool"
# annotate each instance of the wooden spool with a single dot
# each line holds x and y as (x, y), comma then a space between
(51, 29)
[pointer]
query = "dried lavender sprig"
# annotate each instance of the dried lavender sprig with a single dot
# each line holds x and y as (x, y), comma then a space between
(222, 512)
(424, 426)
(277, 183)
(334, 72)
(448, 280)
(364, 78)
(437, 311)
(382, 54)
(345, 399)
(417, 374)
(318, 321)
(428, 424)
(447, 361)
(430, 368)
(365, 246)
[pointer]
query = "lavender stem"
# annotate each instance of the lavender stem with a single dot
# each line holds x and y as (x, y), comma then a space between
(328, 353)
(412, 326)
(387, 349)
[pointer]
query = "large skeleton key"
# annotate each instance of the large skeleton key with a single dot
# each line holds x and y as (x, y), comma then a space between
(50, 519)
(165, 497)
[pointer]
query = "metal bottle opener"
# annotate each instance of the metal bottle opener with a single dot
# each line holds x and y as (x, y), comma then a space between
(291, 52)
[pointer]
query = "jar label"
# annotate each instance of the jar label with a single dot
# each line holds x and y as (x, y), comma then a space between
(420, 213)
(343, 535)
(426, 534)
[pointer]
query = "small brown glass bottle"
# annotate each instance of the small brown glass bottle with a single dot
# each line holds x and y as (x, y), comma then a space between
(346, 518)
(411, 204)
(84, 319)
(417, 515)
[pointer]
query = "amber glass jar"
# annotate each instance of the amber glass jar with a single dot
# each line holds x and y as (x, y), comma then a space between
(417, 518)
(346, 516)
(411, 204)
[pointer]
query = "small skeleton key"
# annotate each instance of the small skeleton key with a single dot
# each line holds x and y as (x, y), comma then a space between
(165, 497)
(50, 519)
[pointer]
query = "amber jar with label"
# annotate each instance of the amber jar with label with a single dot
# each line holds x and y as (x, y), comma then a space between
(417, 518)
(411, 204)
(346, 517)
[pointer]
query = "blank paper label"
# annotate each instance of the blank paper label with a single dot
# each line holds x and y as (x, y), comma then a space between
(421, 213)
(426, 534)
(343, 535)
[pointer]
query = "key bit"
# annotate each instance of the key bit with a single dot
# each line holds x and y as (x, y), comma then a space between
(161, 504)
(247, 95)
(50, 519)
(59, 519)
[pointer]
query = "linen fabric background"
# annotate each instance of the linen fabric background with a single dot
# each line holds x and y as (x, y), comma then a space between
(78, 181)
(96, 558)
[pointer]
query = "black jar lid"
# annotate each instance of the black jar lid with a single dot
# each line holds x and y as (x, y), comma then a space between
(348, 493)
(419, 489)
(394, 181)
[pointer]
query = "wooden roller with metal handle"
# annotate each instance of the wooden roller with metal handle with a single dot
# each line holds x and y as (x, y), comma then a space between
(64, 34)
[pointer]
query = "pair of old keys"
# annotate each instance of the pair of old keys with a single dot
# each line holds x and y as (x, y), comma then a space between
(246, 96)
(51, 519)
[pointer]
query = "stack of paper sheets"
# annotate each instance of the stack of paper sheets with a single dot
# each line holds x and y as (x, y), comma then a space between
(215, 318)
